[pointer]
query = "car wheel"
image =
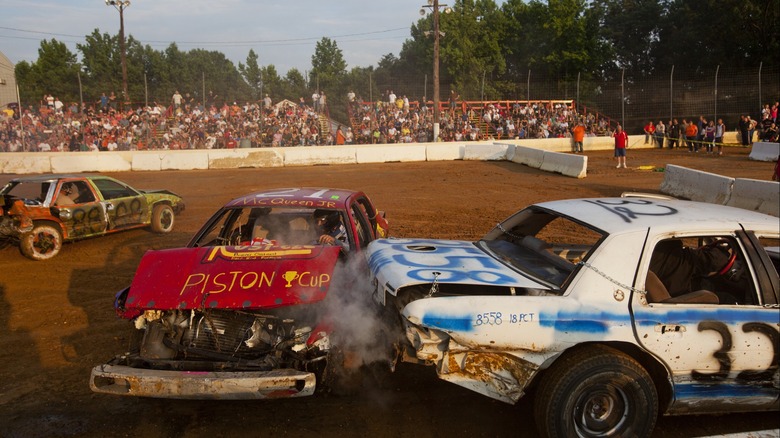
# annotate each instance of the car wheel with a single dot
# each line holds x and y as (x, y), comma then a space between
(596, 392)
(162, 218)
(42, 243)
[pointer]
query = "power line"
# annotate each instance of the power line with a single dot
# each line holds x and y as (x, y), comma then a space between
(288, 41)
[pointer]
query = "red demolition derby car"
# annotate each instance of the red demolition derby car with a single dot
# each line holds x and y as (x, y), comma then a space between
(261, 303)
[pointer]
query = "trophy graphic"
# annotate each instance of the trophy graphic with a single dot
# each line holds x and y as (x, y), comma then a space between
(290, 276)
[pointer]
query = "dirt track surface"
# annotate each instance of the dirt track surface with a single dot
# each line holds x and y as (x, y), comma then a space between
(57, 320)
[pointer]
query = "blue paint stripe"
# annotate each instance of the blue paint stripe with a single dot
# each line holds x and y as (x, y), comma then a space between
(727, 316)
(448, 323)
(583, 321)
(576, 325)
(698, 390)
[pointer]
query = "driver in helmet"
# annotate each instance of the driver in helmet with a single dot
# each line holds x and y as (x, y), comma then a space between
(330, 228)
(68, 194)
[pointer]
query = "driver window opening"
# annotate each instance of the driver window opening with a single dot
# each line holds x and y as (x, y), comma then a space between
(699, 270)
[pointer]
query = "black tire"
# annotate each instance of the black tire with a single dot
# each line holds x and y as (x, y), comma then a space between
(596, 392)
(42, 243)
(162, 218)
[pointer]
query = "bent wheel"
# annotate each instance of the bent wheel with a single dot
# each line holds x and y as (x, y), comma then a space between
(42, 243)
(596, 392)
(162, 218)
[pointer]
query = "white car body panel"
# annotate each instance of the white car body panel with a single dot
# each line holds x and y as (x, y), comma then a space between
(718, 357)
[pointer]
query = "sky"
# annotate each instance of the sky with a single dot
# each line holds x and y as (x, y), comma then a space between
(282, 33)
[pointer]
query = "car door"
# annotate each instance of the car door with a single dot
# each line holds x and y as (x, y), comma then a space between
(82, 215)
(724, 356)
(125, 206)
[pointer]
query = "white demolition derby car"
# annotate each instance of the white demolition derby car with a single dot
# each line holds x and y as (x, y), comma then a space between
(607, 311)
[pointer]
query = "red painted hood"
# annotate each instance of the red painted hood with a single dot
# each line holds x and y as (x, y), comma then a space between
(230, 277)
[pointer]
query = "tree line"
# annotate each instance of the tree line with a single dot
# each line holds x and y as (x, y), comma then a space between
(487, 52)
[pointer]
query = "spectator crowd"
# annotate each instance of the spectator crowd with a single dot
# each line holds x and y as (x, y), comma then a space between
(706, 135)
(187, 124)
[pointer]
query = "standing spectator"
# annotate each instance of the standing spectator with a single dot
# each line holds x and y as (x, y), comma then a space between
(709, 135)
(690, 137)
(453, 102)
(700, 131)
(660, 133)
(744, 127)
(751, 129)
(315, 101)
(267, 102)
(621, 143)
(323, 102)
(58, 106)
(578, 135)
(649, 131)
(340, 138)
(176, 99)
(104, 103)
(674, 133)
(720, 130)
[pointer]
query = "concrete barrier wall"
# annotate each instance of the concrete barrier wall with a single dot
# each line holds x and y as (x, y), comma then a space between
(23, 163)
(749, 194)
(765, 151)
(566, 164)
(696, 185)
(543, 154)
(310, 156)
(238, 158)
(486, 151)
(444, 151)
(365, 154)
(756, 195)
(529, 156)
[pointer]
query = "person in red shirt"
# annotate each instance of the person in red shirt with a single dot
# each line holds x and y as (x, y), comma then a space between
(621, 142)
(649, 131)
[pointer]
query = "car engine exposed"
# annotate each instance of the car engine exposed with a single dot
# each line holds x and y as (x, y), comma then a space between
(195, 340)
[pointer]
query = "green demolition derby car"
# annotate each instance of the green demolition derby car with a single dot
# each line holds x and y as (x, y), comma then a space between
(41, 212)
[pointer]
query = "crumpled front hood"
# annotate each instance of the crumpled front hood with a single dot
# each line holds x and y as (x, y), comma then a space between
(231, 277)
(398, 263)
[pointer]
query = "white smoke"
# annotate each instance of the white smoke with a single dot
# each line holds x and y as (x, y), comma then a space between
(362, 353)
(360, 328)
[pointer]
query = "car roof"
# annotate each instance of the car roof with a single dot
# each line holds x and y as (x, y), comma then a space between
(53, 177)
(316, 197)
(621, 215)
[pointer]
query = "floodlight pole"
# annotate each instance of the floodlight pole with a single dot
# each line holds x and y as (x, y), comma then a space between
(436, 97)
(434, 6)
(120, 6)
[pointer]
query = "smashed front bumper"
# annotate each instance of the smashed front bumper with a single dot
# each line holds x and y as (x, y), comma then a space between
(220, 385)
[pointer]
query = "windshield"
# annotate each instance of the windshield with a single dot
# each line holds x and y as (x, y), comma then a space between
(33, 193)
(542, 244)
(271, 226)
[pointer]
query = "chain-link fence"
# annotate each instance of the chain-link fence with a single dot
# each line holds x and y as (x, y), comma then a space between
(717, 92)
